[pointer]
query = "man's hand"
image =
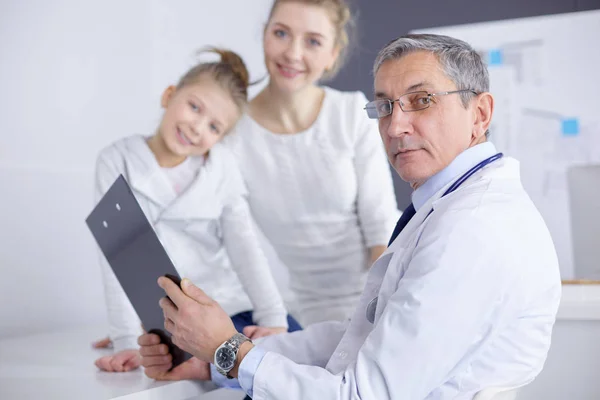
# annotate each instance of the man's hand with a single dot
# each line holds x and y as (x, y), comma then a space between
(196, 322)
(157, 361)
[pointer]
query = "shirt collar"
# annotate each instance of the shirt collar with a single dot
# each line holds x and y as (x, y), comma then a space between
(461, 164)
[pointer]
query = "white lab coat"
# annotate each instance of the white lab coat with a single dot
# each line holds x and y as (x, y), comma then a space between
(207, 231)
(467, 298)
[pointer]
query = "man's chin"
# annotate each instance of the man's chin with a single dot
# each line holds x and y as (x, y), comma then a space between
(403, 173)
(407, 174)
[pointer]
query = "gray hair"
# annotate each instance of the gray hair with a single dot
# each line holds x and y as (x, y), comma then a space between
(459, 61)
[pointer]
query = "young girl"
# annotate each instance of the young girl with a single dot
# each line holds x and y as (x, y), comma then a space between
(192, 193)
(335, 207)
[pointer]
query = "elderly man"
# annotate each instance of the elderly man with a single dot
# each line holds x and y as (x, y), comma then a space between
(464, 298)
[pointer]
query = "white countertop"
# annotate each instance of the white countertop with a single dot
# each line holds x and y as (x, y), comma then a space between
(580, 302)
(60, 365)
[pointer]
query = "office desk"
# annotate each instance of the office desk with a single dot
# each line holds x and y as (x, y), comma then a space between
(60, 365)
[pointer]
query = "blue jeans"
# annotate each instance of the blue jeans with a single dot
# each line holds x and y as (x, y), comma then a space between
(244, 319)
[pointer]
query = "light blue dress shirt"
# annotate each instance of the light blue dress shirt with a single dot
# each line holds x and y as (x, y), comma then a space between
(246, 372)
(459, 166)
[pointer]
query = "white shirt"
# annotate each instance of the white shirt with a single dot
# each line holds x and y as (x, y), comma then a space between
(466, 299)
(322, 197)
(183, 175)
(206, 230)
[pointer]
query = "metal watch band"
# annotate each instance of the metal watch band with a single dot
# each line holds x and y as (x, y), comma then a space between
(234, 344)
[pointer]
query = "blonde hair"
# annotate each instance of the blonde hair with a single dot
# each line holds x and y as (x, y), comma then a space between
(341, 18)
(229, 72)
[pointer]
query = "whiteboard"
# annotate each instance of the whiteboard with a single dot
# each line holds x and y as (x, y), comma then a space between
(545, 81)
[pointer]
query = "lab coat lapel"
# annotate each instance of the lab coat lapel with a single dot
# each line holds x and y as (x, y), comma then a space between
(403, 239)
(406, 242)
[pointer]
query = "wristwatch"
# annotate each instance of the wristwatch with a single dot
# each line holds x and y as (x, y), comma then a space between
(226, 354)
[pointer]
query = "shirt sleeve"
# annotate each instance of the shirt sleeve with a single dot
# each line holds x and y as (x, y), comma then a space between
(312, 346)
(222, 381)
(376, 202)
(246, 372)
(248, 369)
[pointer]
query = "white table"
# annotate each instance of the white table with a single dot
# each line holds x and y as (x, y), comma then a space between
(60, 365)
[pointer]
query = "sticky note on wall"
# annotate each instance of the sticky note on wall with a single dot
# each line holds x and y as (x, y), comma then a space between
(495, 57)
(570, 126)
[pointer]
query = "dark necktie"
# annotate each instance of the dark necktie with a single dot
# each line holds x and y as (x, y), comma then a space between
(402, 221)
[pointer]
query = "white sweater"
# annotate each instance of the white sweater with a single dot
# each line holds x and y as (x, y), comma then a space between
(202, 229)
(322, 197)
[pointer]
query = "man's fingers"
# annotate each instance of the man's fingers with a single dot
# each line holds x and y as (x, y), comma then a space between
(157, 361)
(156, 350)
(169, 309)
(191, 369)
(148, 339)
(173, 291)
(170, 326)
(159, 373)
(195, 292)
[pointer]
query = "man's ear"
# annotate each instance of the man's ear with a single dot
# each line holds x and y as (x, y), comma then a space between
(483, 109)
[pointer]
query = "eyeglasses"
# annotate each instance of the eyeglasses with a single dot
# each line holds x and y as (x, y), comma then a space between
(412, 101)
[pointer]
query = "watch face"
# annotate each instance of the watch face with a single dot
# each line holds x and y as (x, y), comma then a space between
(225, 358)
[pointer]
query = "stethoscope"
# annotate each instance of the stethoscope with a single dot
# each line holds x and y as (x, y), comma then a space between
(372, 306)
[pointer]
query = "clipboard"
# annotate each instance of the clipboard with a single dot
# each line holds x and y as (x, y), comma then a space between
(136, 256)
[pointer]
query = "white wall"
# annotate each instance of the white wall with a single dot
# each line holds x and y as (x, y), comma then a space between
(75, 76)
